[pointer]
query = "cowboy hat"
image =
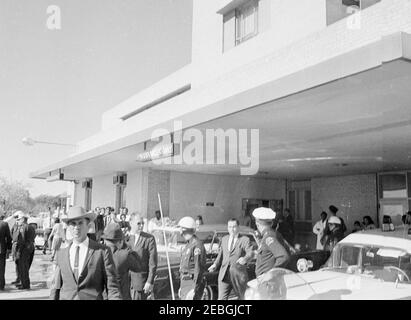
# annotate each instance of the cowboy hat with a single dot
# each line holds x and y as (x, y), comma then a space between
(78, 212)
(113, 232)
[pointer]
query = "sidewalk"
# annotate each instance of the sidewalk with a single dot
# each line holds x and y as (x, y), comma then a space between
(40, 271)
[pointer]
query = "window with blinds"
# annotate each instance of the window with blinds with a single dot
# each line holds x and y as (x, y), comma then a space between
(246, 21)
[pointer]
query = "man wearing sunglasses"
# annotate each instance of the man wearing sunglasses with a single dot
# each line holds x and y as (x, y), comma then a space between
(144, 244)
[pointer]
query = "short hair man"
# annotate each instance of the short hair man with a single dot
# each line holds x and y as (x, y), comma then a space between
(85, 269)
(154, 222)
(199, 221)
(144, 244)
(234, 253)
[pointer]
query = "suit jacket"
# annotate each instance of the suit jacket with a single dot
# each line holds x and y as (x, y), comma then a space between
(226, 258)
(146, 250)
(25, 239)
(5, 237)
(125, 261)
(97, 280)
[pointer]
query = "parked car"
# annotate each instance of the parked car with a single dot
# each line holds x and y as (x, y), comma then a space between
(37, 224)
(211, 236)
(372, 264)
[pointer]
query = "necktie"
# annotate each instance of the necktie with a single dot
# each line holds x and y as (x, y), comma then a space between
(232, 244)
(76, 262)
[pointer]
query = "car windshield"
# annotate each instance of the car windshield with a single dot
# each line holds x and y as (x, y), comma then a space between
(384, 263)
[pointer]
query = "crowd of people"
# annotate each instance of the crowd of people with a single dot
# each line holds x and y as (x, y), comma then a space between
(331, 228)
(103, 255)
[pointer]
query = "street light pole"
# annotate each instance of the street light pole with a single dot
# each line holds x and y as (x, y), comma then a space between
(31, 142)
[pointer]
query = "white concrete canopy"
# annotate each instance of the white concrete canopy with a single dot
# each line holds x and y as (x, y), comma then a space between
(350, 114)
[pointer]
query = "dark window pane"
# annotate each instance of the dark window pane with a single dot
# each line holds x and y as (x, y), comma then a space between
(409, 185)
(393, 185)
(307, 205)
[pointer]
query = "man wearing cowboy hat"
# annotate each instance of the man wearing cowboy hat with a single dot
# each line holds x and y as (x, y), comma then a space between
(85, 269)
(272, 251)
(125, 259)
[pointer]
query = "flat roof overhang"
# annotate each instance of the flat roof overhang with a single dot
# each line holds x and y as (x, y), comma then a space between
(376, 59)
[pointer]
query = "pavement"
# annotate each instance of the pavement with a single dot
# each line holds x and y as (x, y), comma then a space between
(40, 272)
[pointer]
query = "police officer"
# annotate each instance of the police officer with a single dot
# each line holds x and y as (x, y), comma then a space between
(272, 252)
(193, 262)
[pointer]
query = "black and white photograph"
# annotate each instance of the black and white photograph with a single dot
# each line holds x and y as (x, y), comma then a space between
(225, 151)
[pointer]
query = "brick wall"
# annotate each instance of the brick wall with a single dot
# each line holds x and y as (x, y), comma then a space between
(158, 182)
(190, 192)
(355, 196)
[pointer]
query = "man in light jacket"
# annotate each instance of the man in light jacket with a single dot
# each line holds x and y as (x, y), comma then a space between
(319, 229)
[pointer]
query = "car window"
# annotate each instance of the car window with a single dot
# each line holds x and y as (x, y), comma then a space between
(205, 236)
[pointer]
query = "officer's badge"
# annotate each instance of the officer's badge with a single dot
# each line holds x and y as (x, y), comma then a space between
(269, 241)
(197, 251)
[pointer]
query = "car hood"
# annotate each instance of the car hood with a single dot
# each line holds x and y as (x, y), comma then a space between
(332, 285)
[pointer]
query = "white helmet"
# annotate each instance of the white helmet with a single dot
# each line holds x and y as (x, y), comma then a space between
(187, 223)
(334, 220)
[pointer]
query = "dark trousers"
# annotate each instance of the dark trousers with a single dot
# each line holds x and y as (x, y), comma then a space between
(188, 285)
(138, 295)
(24, 266)
(2, 270)
(46, 236)
(16, 262)
(235, 279)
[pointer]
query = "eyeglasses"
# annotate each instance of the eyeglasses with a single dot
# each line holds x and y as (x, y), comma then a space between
(140, 223)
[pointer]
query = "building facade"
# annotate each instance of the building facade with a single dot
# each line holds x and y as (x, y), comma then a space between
(325, 83)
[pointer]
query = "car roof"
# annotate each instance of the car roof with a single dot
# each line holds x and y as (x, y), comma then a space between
(206, 228)
(222, 227)
(399, 238)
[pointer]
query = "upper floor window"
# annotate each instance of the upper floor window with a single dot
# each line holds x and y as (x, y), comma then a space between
(246, 21)
(340, 9)
(240, 23)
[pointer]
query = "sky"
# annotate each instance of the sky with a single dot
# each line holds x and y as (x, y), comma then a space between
(55, 84)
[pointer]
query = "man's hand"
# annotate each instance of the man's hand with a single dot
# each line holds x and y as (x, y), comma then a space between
(148, 287)
(242, 261)
(212, 268)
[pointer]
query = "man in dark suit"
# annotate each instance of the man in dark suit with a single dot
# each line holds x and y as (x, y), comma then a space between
(5, 244)
(144, 244)
(85, 269)
(24, 250)
(125, 259)
(235, 251)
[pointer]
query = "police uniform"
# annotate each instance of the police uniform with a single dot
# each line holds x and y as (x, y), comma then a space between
(271, 252)
(192, 268)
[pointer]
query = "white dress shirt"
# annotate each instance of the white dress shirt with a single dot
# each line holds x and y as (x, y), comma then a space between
(82, 255)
